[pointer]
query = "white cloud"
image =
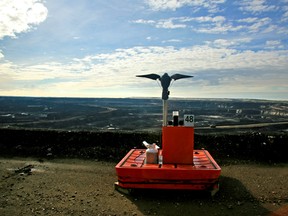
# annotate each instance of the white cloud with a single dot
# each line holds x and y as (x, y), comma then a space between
(1, 55)
(210, 24)
(115, 71)
(249, 20)
(224, 43)
(255, 24)
(142, 21)
(217, 29)
(168, 24)
(213, 24)
(217, 24)
(162, 23)
(20, 16)
(259, 24)
(166, 4)
(201, 19)
(282, 30)
(256, 6)
(285, 14)
(233, 40)
(285, 17)
(211, 5)
(274, 44)
(172, 41)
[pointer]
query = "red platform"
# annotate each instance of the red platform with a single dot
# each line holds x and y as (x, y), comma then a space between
(202, 174)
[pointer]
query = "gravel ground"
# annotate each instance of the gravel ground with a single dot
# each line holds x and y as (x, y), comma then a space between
(86, 187)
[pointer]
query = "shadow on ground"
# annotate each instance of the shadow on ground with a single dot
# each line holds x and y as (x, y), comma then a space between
(232, 199)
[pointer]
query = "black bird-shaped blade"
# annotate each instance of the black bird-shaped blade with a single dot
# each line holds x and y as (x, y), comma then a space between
(179, 76)
(165, 81)
(150, 76)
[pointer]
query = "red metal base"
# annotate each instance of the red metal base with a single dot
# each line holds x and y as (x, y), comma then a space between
(203, 174)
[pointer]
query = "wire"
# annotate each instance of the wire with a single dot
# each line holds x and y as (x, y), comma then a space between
(158, 83)
(172, 83)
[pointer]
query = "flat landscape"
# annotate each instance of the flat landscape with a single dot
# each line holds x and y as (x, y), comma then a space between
(140, 114)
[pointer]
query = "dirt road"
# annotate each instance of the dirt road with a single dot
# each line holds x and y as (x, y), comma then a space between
(81, 187)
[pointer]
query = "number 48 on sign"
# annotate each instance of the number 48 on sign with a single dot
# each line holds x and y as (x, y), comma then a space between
(189, 120)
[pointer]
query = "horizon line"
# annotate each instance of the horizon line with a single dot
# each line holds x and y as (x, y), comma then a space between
(135, 97)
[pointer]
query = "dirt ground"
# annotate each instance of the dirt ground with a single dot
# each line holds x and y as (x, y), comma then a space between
(82, 187)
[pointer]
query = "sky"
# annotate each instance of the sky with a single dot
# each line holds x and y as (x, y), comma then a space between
(95, 48)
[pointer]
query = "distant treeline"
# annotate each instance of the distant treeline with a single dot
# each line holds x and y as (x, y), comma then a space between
(112, 146)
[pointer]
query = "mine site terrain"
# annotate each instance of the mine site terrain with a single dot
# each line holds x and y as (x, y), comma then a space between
(139, 114)
(58, 156)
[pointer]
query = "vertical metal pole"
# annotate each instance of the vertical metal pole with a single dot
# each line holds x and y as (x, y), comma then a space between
(165, 111)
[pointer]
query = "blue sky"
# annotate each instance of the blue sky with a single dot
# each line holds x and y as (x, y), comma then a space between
(95, 48)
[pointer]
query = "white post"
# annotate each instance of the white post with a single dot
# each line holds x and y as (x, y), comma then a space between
(165, 111)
